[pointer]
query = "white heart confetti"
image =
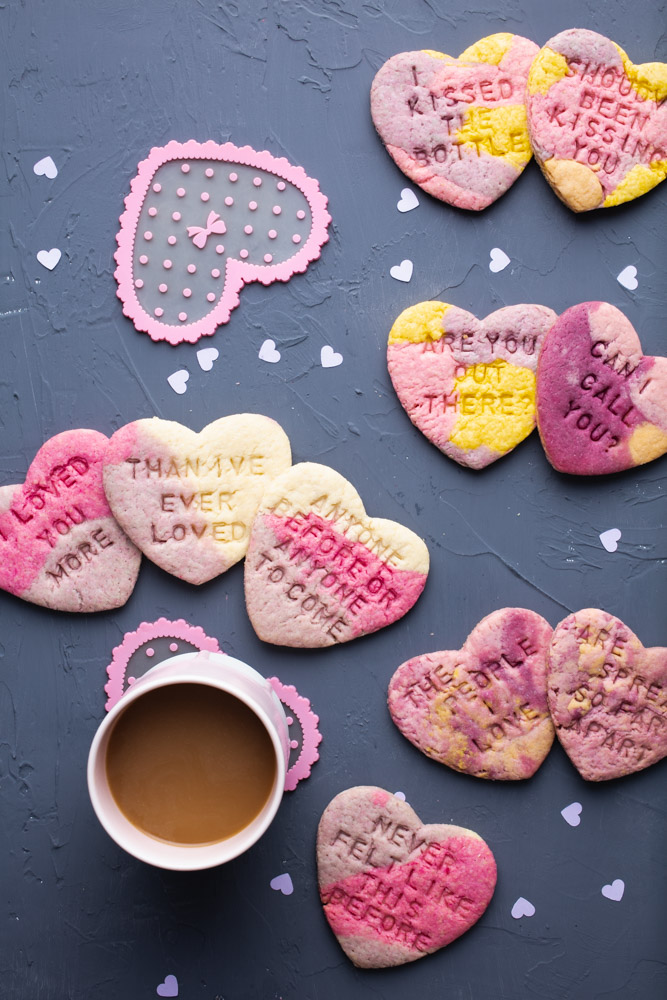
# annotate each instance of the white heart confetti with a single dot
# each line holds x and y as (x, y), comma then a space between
(268, 352)
(329, 358)
(499, 260)
(402, 271)
(614, 891)
(283, 883)
(206, 357)
(177, 380)
(522, 908)
(49, 258)
(400, 795)
(610, 539)
(408, 200)
(628, 277)
(572, 813)
(46, 167)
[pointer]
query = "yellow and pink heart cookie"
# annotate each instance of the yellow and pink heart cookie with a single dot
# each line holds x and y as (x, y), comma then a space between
(392, 888)
(319, 570)
(598, 123)
(607, 696)
(481, 709)
(601, 404)
(457, 127)
(188, 500)
(468, 384)
(59, 543)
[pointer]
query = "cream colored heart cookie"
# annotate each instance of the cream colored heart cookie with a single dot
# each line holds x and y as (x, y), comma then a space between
(319, 570)
(188, 500)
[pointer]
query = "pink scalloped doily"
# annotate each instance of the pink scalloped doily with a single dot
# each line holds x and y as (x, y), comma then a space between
(201, 221)
(310, 739)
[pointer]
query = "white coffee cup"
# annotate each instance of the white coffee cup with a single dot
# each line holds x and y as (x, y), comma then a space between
(226, 674)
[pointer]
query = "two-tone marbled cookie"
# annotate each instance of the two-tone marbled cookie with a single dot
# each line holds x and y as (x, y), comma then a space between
(481, 709)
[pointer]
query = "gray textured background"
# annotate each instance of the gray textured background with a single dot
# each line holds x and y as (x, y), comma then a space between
(95, 84)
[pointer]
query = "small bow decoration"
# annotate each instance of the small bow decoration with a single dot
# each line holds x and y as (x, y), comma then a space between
(199, 234)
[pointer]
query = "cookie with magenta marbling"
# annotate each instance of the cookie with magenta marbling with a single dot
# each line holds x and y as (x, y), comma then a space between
(319, 570)
(394, 889)
(188, 499)
(468, 384)
(607, 695)
(601, 403)
(481, 709)
(598, 123)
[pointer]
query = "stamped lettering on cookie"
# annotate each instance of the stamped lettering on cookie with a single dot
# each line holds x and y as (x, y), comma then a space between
(393, 889)
(607, 696)
(601, 404)
(457, 127)
(188, 500)
(202, 221)
(468, 384)
(481, 709)
(319, 570)
(59, 543)
(598, 123)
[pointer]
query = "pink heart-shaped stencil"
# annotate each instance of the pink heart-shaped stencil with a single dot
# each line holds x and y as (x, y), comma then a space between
(601, 405)
(319, 570)
(60, 545)
(481, 709)
(468, 384)
(202, 221)
(393, 889)
(607, 696)
(598, 123)
(457, 127)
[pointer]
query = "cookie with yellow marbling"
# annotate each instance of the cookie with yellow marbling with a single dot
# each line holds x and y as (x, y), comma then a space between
(468, 384)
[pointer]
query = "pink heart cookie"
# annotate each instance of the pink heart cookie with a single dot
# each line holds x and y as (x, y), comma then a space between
(202, 221)
(601, 405)
(59, 543)
(481, 709)
(598, 123)
(457, 127)
(607, 696)
(468, 384)
(319, 570)
(393, 889)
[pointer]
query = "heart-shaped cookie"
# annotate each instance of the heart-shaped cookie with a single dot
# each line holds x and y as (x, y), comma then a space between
(598, 124)
(481, 709)
(457, 127)
(59, 544)
(468, 384)
(607, 696)
(202, 221)
(319, 570)
(393, 889)
(187, 499)
(601, 405)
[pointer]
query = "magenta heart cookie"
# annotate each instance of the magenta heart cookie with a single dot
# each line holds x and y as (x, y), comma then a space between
(468, 384)
(319, 570)
(202, 221)
(607, 696)
(60, 545)
(457, 127)
(393, 889)
(598, 123)
(481, 709)
(601, 405)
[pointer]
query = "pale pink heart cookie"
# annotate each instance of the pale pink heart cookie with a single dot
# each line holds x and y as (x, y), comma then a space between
(202, 221)
(392, 888)
(59, 543)
(319, 570)
(481, 709)
(601, 405)
(598, 123)
(188, 499)
(468, 384)
(457, 127)
(607, 696)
